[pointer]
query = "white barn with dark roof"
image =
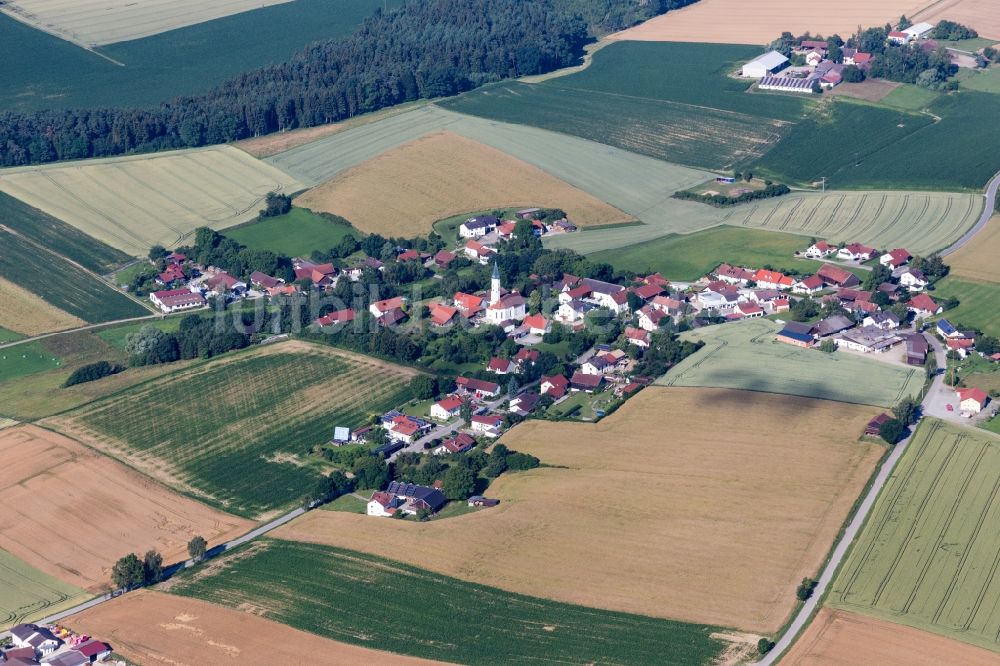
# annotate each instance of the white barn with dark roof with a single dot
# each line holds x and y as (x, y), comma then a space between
(765, 64)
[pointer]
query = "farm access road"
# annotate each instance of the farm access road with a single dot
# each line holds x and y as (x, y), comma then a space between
(811, 605)
(988, 211)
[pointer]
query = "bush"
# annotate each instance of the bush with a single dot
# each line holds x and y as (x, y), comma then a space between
(892, 431)
(764, 646)
(92, 372)
(805, 589)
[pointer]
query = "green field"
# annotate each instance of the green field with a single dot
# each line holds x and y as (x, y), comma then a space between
(863, 146)
(910, 97)
(115, 336)
(979, 303)
(238, 432)
(928, 554)
(61, 283)
(26, 359)
(58, 236)
(157, 68)
(691, 256)
(987, 80)
(921, 221)
(366, 600)
(296, 234)
(29, 594)
(9, 336)
(746, 355)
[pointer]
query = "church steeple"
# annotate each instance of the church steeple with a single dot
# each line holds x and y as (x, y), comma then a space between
(495, 285)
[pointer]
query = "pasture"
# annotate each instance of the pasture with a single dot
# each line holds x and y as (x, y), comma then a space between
(293, 235)
(364, 599)
(839, 638)
(727, 535)
(977, 259)
(150, 627)
(134, 202)
(30, 594)
(924, 222)
(26, 313)
(979, 303)
(762, 21)
(400, 192)
(63, 285)
(183, 61)
(71, 512)
(237, 432)
(927, 557)
(691, 256)
(745, 355)
(26, 359)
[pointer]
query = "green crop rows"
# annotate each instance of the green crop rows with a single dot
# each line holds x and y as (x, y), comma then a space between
(381, 604)
(239, 430)
(30, 594)
(929, 554)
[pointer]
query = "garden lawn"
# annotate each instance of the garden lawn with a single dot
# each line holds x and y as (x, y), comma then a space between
(238, 432)
(382, 604)
(296, 234)
(979, 304)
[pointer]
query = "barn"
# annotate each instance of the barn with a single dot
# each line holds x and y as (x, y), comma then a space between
(765, 64)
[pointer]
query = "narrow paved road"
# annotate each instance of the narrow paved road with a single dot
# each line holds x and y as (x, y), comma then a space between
(850, 533)
(988, 211)
(88, 327)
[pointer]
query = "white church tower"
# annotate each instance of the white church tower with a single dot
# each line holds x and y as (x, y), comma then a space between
(495, 285)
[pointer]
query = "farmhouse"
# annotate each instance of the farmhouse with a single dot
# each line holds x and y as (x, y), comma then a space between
(173, 273)
(460, 443)
(972, 400)
(407, 498)
(916, 349)
(501, 366)
(838, 277)
(819, 250)
(442, 315)
(554, 386)
(869, 339)
(899, 37)
(887, 321)
(765, 64)
(447, 408)
(487, 424)
(855, 252)
(637, 336)
(961, 346)
(477, 227)
(923, 306)
(809, 286)
(856, 57)
(478, 387)
(895, 258)
(174, 300)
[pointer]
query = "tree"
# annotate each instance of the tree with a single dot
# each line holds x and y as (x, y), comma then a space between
(127, 573)
(276, 204)
(424, 387)
(764, 645)
(330, 487)
(805, 589)
(828, 346)
(903, 23)
(370, 472)
(152, 567)
(157, 252)
(197, 547)
(907, 411)
(458, 483)
(892, 431)
(465, 411)
(852, 74)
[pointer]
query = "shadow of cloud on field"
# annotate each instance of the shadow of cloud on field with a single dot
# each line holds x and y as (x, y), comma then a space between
(758, 386)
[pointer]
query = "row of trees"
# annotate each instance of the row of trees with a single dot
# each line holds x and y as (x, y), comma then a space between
(131, 571)
(421, 50)
(196, 337)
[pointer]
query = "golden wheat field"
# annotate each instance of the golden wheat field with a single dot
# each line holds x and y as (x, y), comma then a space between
(977, 260)
(23, 312)
(405, 190)
(702, 505)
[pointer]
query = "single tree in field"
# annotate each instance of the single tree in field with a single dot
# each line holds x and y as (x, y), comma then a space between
(127, 572)
(152, 567)
(197, 547)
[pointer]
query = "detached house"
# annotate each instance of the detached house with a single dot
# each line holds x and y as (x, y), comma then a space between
(810, 285)
(972, 400)
(537, 324)
(477, 387)
(43, 641)
(913, 279)
(408, 498)
(637, 336)
(650, 318)
(477, 227)
(819, 250)
(895, 258)
(772, 280)
(460, 443)
(487, 424)
(447, 408)
(383, 307)
(554, 386)
(501, 366)
(733, 274)
(923, 306)
(855, 252)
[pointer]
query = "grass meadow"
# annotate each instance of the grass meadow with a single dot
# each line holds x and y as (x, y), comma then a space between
(746, 355)
(62, 284)
(296, 234)
(927, 557)
(30, 594)
(238, 432)
(26, 359)
(382, 604)
(979, 303)
(52, 73)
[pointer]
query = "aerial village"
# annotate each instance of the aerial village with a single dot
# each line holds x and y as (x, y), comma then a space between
(53, 645)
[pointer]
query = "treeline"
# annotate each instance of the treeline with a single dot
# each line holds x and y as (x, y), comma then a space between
(721, 200)
(422, 50)
(196, 337)
(604, 16)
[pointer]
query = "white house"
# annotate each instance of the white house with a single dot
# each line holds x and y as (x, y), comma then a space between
(972, 400)
(477, 227)
(819, 250)
(637, 336)
(597, 365)
(487, 424)
(39, 638)
(650, 318)
(895, 258)
(762, 65)
(175, 300)
(809, 286)
(886, 321)
(913, 279)
(868, 339)
(855, 252)
(573, 311)
(814, 58)
(446, 408)
(537, 324)
(899, 37)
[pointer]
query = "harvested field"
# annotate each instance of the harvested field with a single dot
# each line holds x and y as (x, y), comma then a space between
(24, 312)
(928, 555)
(399, 192)
(977, 260)
(71, 512)
(725, 21)
(368, 600)
(983, 15)
(29, 594)
(134, 202)
(746, 355)
(96, 22)
(154, 628)
(728, 534)
(922, 221)
(237, 432)
(838, 638)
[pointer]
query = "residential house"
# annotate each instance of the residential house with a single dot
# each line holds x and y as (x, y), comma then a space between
(477, 387)
(409, 255)
(537, 324)
(405, 429)
(972, 400)
(809, 286)
(650, 318)
(780, 305)
(172, 273)
(409, 498)
(899, 37)
(224, 283)
(460, 443)
(916, 349)
(392, 317)
(923, 306)
(595, 365)
(554, 386)
(669, 305)
(468, 304)
(444, 258)
(574, 311)
(175, 300)
(479, 226)
(895, 258)
(501, 366)
(647, 291)
(344, 316)
(442, 315)
(820, 250)
(354, 273)
(608, 295)
(856, 58)
(733, 274)
(384, 504)
(869, 339)
(43, 641)
(855, 252)
(947, 330)
(886, 321)
(772, 279)
(526, 357)
(814, 58)
(383, 307)
(478, 252)
(265, 282)
(488, 425)
(748, 310)
(637, 336)
(585, 382)
(961, 346)
(837, 276)
(913, 279)
(447, 408)
(524, 404)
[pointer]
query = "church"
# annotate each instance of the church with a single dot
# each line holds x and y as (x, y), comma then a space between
(504, 307)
